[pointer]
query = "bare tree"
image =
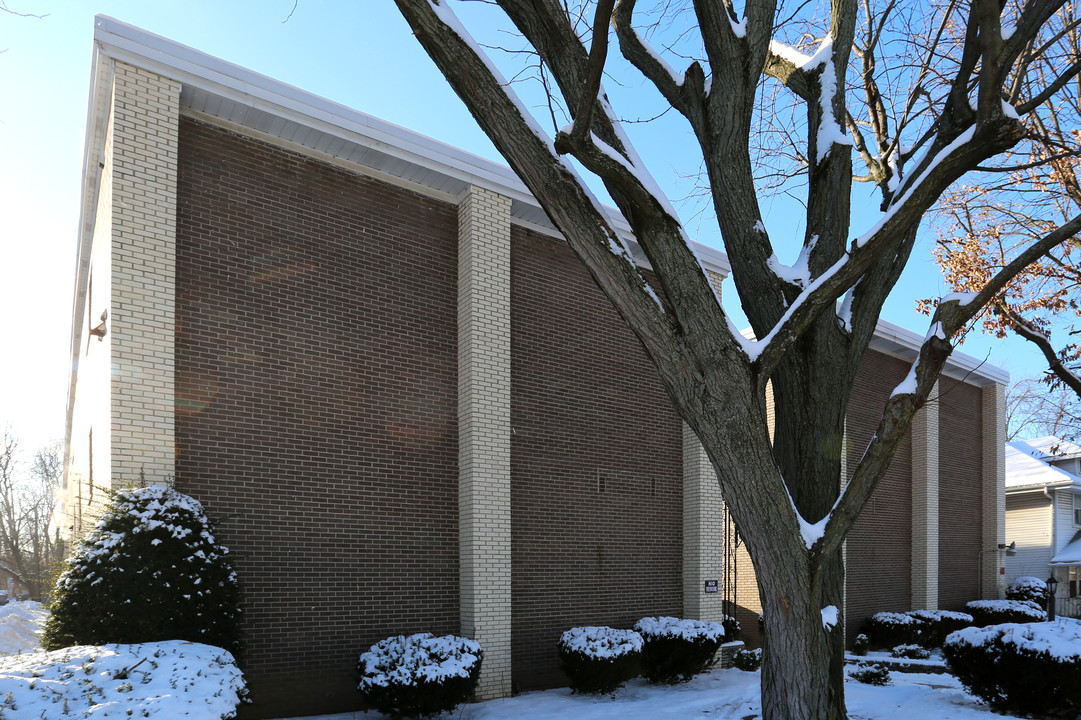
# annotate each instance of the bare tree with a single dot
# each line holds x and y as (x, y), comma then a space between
(918, 110)
(1031, 190)
(26, 506)
(1035, 410)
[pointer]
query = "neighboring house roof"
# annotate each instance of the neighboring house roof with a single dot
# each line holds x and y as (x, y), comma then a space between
(1071, 554)
(1027, 466)
(1053, 448)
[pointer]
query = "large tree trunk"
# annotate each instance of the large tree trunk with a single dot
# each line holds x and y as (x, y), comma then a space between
(802, 659)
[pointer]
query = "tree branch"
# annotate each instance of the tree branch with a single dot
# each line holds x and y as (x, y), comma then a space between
(1029, 332)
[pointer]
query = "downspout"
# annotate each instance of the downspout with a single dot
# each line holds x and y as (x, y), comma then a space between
(1054, 533)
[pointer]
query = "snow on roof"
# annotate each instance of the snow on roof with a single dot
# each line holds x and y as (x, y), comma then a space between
(1071, 554)
(1026, 468)
(1052, 448)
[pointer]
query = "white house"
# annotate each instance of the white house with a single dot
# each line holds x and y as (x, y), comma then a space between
(1043, 514)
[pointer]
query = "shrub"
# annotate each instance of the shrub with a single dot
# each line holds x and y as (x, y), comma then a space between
(731, 627)
(1032, 668)
(911, 652)
(861, 645)
(1028, 588)
(887, 629)
(747, 660)
(995, 612)
(928, 628)
(150, 571)
(871, 674)
(420, 674)
(937, 624)
(599, 659)
(676, 650)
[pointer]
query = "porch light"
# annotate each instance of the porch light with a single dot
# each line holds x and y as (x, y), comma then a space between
(1052, 586)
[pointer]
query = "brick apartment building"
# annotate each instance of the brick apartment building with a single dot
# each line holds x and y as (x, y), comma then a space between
(407, 406)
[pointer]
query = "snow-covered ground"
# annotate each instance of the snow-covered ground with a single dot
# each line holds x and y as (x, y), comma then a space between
(179, 679)
(20, 625)
(162, 680)
(722, 695)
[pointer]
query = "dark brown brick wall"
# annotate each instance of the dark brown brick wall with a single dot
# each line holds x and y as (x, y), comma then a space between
(316, 419)
(960, 497)
(879, 570)
(596, 461)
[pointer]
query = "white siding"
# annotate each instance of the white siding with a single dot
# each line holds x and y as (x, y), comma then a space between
(1064, 525)
(1028, 523)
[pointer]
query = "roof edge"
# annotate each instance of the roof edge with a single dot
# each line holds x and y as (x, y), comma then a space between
(185, 64)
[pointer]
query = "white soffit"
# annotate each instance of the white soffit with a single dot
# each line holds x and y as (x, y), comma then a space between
(246, 99)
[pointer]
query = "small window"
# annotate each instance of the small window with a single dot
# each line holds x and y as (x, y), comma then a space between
(1073, 576)
(1077, 516)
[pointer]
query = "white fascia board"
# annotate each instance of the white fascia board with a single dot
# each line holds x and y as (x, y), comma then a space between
(1040, 487)
(961, 366)
(186, 65)
(97, 123)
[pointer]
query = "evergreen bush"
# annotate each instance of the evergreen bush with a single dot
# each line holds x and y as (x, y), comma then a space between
(731, 627)
(861, 645)
(928, 628)
(747, 660)
(151, 570)
(910, 652)
(676, 650)
(871, 674)
(888, 629)
(1021, 668)
(599, 659)
(937, 624)
(420, 674)
(1029, 588)
(996, 612)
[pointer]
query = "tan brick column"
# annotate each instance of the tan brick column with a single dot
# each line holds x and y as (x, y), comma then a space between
(484, 432)
(925, 505)
(703, 523)
(703, 532)
(141, 313)
(994, 489)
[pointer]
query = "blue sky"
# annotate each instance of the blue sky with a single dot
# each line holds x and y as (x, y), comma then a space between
(360, 54)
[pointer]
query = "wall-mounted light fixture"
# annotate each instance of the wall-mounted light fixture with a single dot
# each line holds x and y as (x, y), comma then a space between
(101, 329)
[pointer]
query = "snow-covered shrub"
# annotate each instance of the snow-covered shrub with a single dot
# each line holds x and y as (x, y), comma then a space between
(996, 612)
(731, 627)
(887, 629)
(160, 681)
(911, 652)
(861, 645)
(599, 659)
(420, 674)
(871, 674)
(151, 570)
(1021, 668)
(676, 650)
(937, 624)
(747, 660)
(928, 628)
(1028, 588)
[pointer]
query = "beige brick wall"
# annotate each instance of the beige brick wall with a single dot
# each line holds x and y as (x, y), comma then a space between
(703, 532)
(87, 477)
(925, 505)
(994, 490)
(141, 313)
(484, 432)
(122, 414)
